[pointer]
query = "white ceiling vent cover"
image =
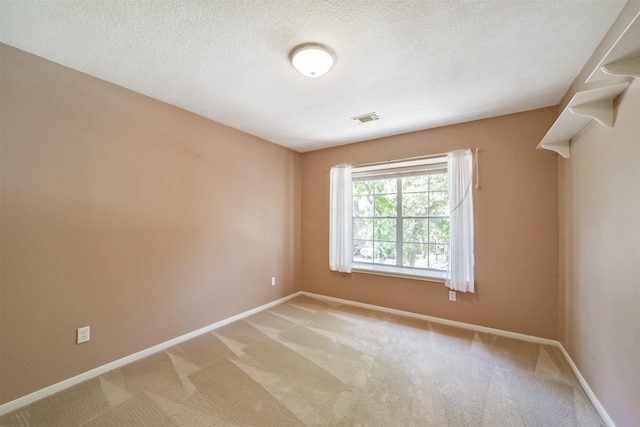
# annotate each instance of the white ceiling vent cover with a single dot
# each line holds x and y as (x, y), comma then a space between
(366, 118)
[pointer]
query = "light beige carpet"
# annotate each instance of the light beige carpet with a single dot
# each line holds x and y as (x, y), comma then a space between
(309, 362)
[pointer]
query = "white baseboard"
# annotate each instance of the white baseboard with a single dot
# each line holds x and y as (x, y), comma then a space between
(47, 391)
(596, 403)
(440, 320)
(54, 388)
(585, 386)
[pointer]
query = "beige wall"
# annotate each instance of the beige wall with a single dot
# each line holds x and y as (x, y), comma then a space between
(132, 216)
(600, 258)
(516, 226)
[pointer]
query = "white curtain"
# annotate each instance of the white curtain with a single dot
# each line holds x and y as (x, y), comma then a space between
(340, 218)
(460, 272)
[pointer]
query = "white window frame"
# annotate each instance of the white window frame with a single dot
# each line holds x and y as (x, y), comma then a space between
(400, 169)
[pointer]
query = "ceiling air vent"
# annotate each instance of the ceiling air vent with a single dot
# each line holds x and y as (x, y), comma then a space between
(366, 118)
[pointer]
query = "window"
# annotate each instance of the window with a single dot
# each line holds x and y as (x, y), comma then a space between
(411, 218)
(401, 218)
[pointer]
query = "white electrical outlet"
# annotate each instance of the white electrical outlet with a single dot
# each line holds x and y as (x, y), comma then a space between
(273, 281)
(84, 334)
(452, 295)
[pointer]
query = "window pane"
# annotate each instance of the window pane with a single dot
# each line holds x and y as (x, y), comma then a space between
(362, 251)
(385, 229)
(438, 256)
(439, 203)
(362, 188)
(414, 255)
(415, 230)
(439, 182)
(414, 204)
(386, 205)
(389, 186)
(439, 231)
(415, 183)
(363, 228)
(380, 186)
(363, 206)
(384, 253)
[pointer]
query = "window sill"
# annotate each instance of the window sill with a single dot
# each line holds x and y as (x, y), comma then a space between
(404, 273)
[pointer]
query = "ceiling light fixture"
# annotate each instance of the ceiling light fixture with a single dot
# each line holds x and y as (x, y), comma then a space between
(312, 59)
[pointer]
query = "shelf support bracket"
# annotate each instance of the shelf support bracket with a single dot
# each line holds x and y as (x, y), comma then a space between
(624, 67)
(561, 147)
(601, 111)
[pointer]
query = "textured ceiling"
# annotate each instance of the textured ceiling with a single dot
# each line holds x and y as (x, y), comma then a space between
(417, 64)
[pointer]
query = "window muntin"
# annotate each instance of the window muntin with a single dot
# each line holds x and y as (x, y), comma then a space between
(400, 218)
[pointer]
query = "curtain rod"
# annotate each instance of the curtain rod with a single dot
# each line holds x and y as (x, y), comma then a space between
(406, 159)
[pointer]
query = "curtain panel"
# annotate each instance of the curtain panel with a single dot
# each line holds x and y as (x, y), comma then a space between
(340, 219)
(460, 274)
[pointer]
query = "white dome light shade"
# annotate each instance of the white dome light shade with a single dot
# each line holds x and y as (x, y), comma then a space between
(312, 59)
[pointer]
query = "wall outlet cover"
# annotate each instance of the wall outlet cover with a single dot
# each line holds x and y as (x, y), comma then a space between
(84, 334)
